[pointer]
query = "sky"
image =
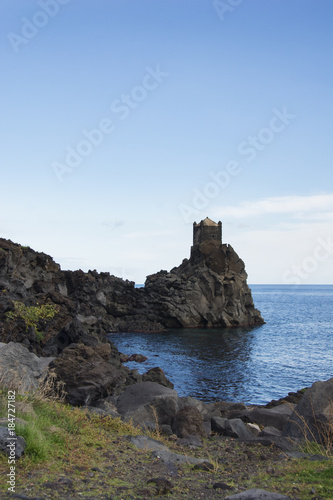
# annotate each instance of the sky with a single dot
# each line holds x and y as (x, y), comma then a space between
(124, 121)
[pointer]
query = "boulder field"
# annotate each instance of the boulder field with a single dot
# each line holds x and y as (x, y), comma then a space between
(207, 290)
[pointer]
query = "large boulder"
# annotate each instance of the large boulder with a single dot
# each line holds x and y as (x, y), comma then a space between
(312, 419)
(148, 404)
(234, 427)
(20, 368)
(188, 421)
(87, 373)
(272, 417)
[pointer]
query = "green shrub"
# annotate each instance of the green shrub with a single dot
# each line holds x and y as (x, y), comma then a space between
(32, 315)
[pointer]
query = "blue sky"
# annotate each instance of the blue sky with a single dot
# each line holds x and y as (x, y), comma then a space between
(123, 121)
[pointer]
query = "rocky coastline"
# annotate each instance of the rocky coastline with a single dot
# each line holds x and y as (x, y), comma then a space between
(207, 290)
(69, 351)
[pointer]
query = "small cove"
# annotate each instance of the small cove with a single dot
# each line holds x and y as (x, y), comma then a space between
(254, 365)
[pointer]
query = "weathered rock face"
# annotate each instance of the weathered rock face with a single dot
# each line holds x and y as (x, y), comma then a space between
(89, 304)
(207, 290)
(20, 368)
(87, 373)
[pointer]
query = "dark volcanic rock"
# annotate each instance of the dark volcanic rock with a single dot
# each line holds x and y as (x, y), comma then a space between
(188, 422)
(157, 375)
(148, 404)
(234, 428)
(207, 290)
(35, 279)
(138, 358)
(312, 417)
(274, 417)
(293, 398)
(86, 373)
(270, 431)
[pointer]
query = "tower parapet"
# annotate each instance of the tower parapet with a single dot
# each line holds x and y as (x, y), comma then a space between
(207, 230)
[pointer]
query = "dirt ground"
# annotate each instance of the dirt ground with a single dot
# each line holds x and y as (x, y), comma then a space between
(121, 471)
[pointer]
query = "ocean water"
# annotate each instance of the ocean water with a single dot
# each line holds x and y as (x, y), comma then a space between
(254, 365)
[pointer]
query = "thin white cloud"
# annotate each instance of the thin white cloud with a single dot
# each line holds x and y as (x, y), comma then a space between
(315, 206)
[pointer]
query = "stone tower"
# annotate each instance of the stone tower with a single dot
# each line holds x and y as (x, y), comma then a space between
(207, 230)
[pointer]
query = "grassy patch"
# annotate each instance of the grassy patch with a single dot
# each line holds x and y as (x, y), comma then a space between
(305, 476)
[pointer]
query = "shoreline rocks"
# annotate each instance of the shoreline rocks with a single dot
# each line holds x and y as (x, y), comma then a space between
(312, 417)
(94, 378)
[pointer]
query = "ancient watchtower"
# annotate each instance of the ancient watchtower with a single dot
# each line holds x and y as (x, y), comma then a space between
(207, 230)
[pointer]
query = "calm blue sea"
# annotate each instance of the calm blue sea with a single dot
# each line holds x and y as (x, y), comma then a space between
(291, 351)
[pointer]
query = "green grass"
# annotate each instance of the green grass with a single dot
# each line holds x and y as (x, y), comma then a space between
(55, 429)
(306, 474)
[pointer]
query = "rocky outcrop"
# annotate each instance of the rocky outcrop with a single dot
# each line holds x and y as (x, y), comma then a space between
(84, 314)
(207, 290)
(93, 376)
